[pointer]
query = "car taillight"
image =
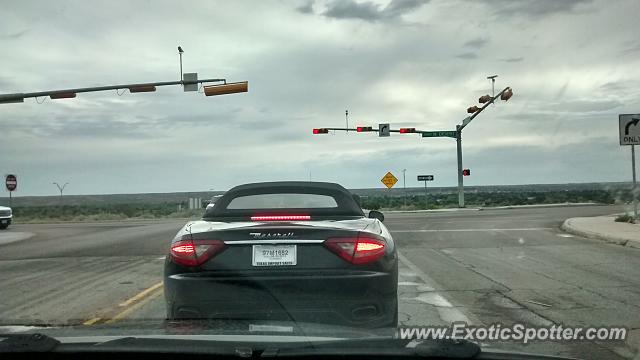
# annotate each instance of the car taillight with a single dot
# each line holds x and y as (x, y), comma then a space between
(357, 250)
(196, 252)
(280, 218)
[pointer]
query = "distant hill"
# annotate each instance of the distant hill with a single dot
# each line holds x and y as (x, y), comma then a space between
(183, 197)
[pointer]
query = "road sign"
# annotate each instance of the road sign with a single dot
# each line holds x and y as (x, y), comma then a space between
(11, 182)
(451, 134)
(189, 80)
(629, 125)
(384, 130)
(425, 177)
(389, 180)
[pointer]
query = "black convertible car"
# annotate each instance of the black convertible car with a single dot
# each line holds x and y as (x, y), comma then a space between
(298, 251)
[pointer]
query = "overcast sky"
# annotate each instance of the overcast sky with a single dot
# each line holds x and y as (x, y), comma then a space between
(574, 66)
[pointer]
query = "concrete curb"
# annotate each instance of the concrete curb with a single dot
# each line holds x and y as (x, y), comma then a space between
(509, 207)
(571, 228)
(426, 211)
(535, 206)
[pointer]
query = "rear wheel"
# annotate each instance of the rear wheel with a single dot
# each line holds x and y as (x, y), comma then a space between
(4, 226)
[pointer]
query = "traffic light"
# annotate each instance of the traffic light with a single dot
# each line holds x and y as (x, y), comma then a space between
(229, 88)
(506, 95)
(484, 98)
(321, 131)
(407, 130)
(142, 88)
(473, 109)
(364, 128)
(62, 95)
(466, 172)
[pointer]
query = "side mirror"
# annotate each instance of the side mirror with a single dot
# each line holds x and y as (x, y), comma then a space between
(375, 214)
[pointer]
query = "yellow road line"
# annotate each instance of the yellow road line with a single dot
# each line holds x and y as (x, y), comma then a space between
(92, 321)
(141, 295)
(126, 312)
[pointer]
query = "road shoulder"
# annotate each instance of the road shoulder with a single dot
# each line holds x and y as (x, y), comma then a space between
(604, 228)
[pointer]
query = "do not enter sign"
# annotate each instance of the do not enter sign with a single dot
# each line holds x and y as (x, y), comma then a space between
(12, 182)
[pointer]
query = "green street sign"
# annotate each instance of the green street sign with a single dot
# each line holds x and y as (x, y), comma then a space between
(451, 134)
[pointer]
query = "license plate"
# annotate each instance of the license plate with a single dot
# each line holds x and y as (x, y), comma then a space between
(274, 255)
(4, 222)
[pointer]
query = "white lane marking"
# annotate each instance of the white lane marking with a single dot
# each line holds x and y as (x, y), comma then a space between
(434, 299)
(565, 235)
(469, 230)
(408, 283)
(160, 258)
(447, 313)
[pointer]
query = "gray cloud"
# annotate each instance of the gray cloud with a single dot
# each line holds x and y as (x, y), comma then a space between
(370, 11)
(631, 47)
(467, 56)
(534, 8)
(513, 60)
(477, 43)
(585, 105)
(306, 7)
(14, 35)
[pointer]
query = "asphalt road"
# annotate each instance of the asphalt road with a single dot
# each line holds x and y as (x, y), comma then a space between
(482, 267)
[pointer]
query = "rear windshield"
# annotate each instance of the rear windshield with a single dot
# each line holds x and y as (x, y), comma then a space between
(283, 201)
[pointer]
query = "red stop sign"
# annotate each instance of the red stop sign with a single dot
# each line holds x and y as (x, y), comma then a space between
(12, 182)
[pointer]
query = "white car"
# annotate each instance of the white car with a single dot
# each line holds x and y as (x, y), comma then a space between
(5, 217)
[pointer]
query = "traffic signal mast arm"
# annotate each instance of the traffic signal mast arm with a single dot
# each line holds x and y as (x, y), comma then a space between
(505, 95)
(368, 129)
(70, 93)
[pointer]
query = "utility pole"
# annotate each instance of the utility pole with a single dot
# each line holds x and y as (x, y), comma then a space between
(61, 188)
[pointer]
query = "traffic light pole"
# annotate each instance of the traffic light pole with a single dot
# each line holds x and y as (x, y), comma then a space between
(460, 177)
(459, 128)
(635, 189)
(505, 95)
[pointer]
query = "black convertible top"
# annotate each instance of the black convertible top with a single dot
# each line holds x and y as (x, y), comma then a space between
(347, 206)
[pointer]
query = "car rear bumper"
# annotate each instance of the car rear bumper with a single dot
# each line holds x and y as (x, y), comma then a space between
(352, 298)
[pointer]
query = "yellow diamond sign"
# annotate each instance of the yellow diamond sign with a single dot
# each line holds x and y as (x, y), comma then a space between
(389, 180)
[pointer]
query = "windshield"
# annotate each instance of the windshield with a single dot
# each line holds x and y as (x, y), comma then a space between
(282, 201)
(408, 169)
